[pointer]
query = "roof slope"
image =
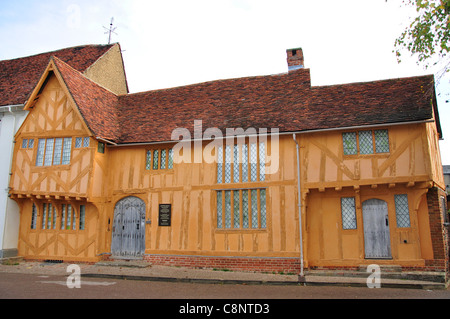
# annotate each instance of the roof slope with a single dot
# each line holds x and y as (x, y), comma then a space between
(97, 105)
(285, 101)
(18, 77)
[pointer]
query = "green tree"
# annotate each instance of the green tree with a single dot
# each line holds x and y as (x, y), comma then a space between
(428, 35)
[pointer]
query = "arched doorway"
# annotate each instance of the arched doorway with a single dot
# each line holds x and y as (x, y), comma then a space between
(128, 236)
(377, 241)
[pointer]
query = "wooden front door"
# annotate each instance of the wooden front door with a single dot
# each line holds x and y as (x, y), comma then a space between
(377, 241)
(128, 238)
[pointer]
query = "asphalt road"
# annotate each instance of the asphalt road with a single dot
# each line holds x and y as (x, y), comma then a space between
(176, 298)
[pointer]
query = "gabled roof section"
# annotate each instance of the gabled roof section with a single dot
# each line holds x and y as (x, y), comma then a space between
(97, 105)
(19, 76)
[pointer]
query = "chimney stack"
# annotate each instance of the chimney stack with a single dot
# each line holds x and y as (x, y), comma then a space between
(295, 59)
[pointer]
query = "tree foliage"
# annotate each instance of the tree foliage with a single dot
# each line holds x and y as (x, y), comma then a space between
(428, 35)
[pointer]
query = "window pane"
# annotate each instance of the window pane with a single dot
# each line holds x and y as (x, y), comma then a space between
(236, 171)
(262, 161)
(78, 141)
(219, 164)
(155, 159)
(74, 220)
(349, 142)
(227, 209)
(58, 150)
(148, 160)
(402, 210)
(262, 197)
(49, 216)
(381, 141)
(24, 143)
(254, 202)
(44, 215)
(48, 152)
(63, 216)
(365, 142)
(227, 164)
(245, 208)
(86, 142)
(163, 159)
(244, 163)
(67, 148)
(30, 143)
(236, 210)
(54, 217)
(253, 162)
(219, 209)
(33, 216)
(170, 161)
(348, 213)
(40, 152)
(69, 216)
(82, 216)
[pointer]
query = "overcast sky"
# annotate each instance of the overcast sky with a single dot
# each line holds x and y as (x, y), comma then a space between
(171, 43)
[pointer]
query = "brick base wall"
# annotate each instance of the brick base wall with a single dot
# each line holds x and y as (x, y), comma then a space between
(253, 264)
(439, 232)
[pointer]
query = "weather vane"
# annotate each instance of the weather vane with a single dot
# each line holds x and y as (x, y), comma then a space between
(110, 30)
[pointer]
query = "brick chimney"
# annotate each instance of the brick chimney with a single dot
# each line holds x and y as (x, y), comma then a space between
(295, 59)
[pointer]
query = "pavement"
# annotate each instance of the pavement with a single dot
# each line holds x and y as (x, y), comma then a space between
(141, 270)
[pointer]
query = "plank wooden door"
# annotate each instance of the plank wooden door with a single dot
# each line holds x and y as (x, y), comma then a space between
(377, 242)
(128, 238)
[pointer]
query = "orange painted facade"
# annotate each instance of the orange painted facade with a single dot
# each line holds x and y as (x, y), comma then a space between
(99, 175)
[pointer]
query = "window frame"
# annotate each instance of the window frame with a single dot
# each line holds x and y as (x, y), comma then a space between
(376, 142)
(167, 165)
(253, 217)
(43, 159)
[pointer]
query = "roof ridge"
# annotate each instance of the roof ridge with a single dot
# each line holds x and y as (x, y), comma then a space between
(59, 50)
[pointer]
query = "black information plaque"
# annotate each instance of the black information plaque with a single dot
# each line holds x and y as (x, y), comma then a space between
(165, 212)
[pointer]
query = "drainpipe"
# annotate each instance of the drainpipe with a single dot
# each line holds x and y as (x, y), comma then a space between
(301, 277)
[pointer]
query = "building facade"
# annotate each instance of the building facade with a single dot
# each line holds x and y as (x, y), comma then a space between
(261, 173)
(18, 77)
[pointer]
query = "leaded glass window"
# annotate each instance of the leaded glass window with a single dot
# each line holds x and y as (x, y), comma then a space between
(33, 216)
(241, 209)
(219, 210)
(82, 216)
(236, 209)
(63, 216)
(227, 164)
(227, 209)
(159, 159)
(44, 216)
(163, 159)
(402, 211)
(236, 170)
(24, 143)
(348, 213)
(381, 141)
(40, 152)
(349, 141)
(262, 161)
(254, 208)
(48, 152)
(365, 142)
(86, 142)
(253, 162)
(219, 164)
(58, 151)
(78, 142)
(244, 163)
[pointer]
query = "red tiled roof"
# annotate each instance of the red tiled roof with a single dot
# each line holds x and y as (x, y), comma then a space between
(18, 77)
(97, 105)
(286, 101)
